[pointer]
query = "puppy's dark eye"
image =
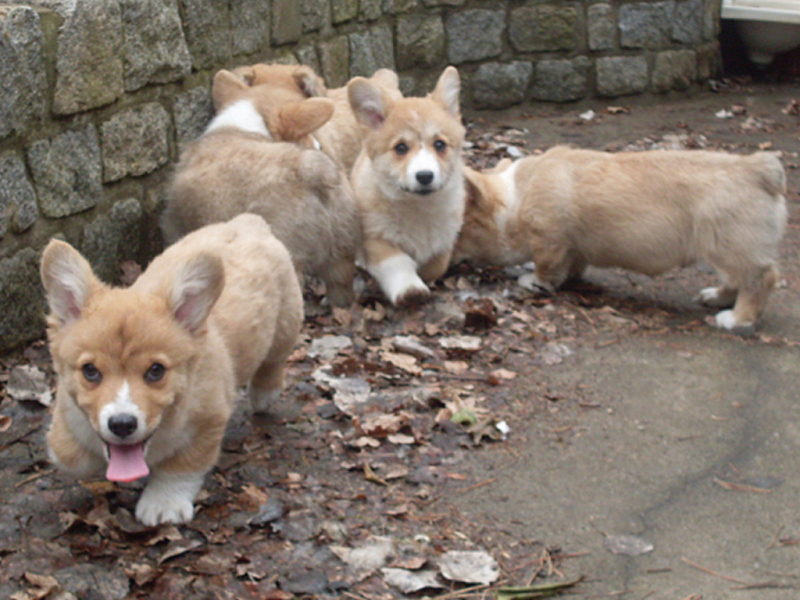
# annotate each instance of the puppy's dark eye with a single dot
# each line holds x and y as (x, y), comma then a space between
(440, 146)
(155, 373)
(401, 149)
(91, 373)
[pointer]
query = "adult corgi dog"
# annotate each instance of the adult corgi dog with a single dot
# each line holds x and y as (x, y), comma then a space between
(643, 211)
(236, 167)
(409, 184)
(148, 375)
(341, 136)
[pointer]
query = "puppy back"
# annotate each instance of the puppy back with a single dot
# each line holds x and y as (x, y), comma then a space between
(770, 172)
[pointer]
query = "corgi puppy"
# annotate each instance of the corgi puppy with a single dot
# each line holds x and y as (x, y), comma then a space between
(409, 184)
(277, 112)
(341, 136)
(643, 211)
(148, 375)
(235, 167)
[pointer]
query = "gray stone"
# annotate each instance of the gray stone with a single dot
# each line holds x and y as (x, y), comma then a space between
(420, 41)
(561, 80)
(287, 21)
(687, 24)
(620, 75)
(114, 238)
(601, 26)
(135, 142)
(543, 27)
(474, 35)
(403, 6)
(307, 55)
(711, 21)
(314, 13)
(18, 206)
(335, 61)
(22, 299)
(497, 85)
(370, 10)
(343, 10)
(155, 49)
(192, 111)
(89, 59)
(370, 51)
(250, 24)
(645, 25)
(22, 69)
(67, 172)
(709, 61)
(208, 32)
(674, 70)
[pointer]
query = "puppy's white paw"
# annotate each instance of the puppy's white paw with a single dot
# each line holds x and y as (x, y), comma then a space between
(726, 320)
(709, 296)
(532, 283)
(412, 295)
(399, 280)
(261, 400)
(168, 499)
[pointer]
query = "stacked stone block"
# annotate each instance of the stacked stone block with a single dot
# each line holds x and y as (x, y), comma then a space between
(98, 97)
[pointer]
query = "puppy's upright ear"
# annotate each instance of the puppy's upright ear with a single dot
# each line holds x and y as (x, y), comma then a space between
(368, 103)
(195, 290)
(228, 87)
(309, 82)
(447, 90)
(293, 122)
(68, 281)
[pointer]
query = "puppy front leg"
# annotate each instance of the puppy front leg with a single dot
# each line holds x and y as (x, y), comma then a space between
(169, 497)
(395, 271)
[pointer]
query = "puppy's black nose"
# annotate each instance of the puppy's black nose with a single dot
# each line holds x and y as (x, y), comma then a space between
(122, 425)
(425, 177)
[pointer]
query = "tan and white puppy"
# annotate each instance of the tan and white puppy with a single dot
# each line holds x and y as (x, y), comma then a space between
(643, 211)
(341, 136)
(278, 112)
(409, 184)
(148, 375)
(236, 167)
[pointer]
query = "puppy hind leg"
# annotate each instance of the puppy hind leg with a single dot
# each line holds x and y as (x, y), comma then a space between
(339, 282)
(750, 301)
(553, 265)
(435, 267)
(266, 386)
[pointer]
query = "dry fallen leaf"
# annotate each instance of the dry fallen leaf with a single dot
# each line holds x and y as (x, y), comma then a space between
(476, 566)
(409, 582)
(627, 544)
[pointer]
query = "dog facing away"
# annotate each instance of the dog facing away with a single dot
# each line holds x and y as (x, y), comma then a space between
(302, 193)
(409, 184)
(643, 211)
(278, 112)
(342, 135)
(148, 375)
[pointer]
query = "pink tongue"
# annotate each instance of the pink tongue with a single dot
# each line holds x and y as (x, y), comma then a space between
(126, 463)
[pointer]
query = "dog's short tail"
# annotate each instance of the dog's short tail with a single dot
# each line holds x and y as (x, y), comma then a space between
(771, 176)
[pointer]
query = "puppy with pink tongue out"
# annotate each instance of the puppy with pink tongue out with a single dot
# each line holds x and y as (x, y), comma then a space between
(148, 375)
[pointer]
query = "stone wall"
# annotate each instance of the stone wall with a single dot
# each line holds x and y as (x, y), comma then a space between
(98, 96)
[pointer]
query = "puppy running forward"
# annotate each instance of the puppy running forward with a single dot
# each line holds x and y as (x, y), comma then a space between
(148, 375)
(409, 184)
(643, 211)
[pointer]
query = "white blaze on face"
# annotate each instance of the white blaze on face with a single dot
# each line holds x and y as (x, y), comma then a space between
(126, 458)
(423, 171)
(122, 404)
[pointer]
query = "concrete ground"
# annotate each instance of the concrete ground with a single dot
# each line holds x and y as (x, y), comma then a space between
(685, 438)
